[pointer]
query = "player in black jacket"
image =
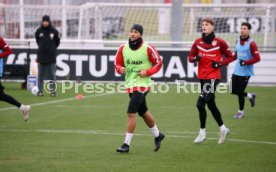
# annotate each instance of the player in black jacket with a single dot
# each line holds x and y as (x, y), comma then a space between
(47, 39)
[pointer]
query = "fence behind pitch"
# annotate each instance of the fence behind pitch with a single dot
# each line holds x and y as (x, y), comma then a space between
(100, 21)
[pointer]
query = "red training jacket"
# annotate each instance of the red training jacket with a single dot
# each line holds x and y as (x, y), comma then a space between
(5, 48)
(210, 52)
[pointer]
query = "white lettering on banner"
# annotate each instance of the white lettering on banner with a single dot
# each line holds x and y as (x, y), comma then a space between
(257, 24)
(79, 59)
(191, 69)
(175, 67)
(10, 59)
(92, 66)
(21, 58)
(64, 61)
(33, 57)
(62, 65)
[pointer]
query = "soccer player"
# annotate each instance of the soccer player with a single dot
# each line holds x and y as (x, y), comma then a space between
(138, 61)
(208, 51)
(5, 51)
(247, 55)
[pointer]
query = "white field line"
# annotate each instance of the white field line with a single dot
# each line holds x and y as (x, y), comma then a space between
(192, 132)
(97, 132)
(94, 132)
(56, 101)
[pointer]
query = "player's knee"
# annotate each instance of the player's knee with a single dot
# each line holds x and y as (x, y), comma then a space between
(240, 92)
(241, 97)
(234, 90)
(212, 106)
(200, 103)
(131, 115)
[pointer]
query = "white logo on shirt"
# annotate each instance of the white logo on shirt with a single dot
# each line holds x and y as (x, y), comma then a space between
(52, 35)
(214, 43)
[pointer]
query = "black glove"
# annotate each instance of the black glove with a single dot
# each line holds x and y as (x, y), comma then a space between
(242, 63)
(196, 58)
(216, 64)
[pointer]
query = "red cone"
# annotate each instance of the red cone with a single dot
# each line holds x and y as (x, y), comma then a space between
(79, 96)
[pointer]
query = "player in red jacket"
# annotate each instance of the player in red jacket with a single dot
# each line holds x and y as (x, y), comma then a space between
(208, 51)
(4, 52)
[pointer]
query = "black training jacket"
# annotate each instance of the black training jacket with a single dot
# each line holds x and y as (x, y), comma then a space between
(48, 40)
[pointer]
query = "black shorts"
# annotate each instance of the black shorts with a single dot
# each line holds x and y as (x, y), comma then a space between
(239, 83)
(208, 88)
(137, 103)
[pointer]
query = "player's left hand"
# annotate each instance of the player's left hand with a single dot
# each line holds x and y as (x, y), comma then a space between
(242, 63)
(196, 58)
(216, 64)
(142, 73)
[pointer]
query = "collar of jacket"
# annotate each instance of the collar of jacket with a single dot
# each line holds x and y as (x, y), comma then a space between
(134, 45)
(209, 38)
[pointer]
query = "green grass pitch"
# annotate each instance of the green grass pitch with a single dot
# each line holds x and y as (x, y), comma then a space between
(73, 135)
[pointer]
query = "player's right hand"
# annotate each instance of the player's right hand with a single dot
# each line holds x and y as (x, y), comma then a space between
(122, 70)
(216, 64)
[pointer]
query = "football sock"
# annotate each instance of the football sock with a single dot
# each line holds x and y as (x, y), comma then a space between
(202, 130)
(222, 127)
(128, 138)
(240, 111)
(154, 131)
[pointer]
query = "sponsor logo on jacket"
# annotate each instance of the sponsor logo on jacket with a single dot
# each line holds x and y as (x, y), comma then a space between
(134, 62)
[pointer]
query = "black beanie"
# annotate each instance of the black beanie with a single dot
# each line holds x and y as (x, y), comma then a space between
(46, 18)
(138, 27)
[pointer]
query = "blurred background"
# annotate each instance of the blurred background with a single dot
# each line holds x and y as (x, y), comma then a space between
(163, 20)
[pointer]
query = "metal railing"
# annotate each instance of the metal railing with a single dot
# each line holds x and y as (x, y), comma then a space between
(105, 25)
